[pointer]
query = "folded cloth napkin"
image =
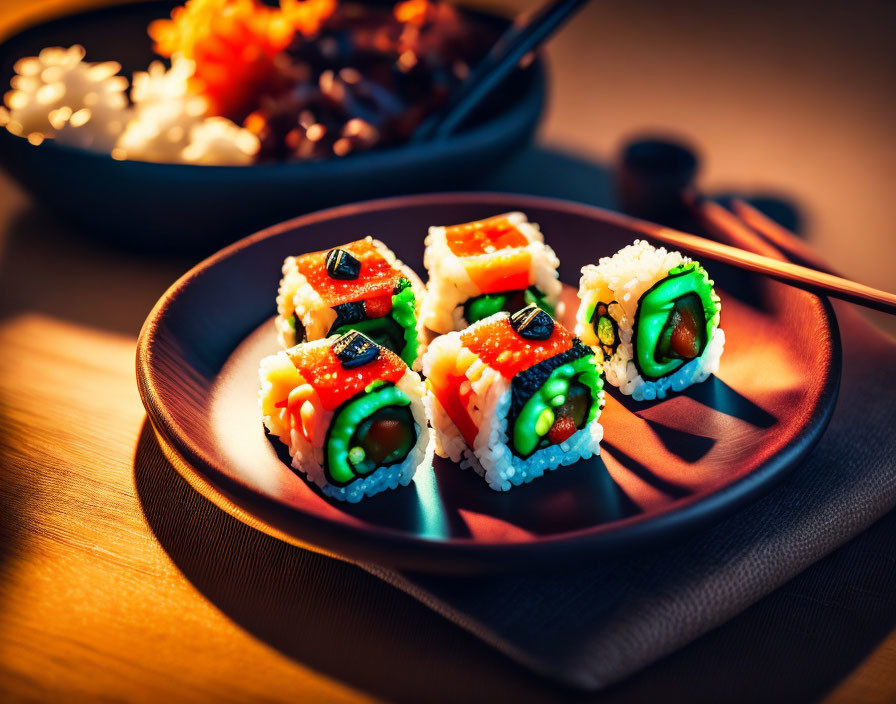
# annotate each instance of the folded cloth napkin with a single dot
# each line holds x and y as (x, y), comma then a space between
(596, 626)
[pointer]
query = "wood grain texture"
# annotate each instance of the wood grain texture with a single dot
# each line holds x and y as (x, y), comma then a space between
(119, 582)
(872, 681)
(97, 601)
(92, 604)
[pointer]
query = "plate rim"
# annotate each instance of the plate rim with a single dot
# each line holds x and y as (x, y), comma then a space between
(388, 547)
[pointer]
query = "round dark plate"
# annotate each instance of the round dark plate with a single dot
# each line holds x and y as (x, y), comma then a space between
(181, 206)
(666, 467)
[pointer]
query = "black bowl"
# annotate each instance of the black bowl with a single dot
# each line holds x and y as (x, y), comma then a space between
(177, 206)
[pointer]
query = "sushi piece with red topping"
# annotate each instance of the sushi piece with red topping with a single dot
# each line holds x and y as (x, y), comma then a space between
(351, 413)
(356, 286)
(477, 269)
(514, 395)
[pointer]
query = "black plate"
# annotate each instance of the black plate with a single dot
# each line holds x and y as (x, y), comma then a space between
(666, 468)
(178, 206)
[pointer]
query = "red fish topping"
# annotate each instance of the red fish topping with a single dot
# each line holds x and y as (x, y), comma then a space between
(484, 237)
(378, 307)
(493, 252)
(500, 347)
(453, 392)
(376, 278)
(334, 383)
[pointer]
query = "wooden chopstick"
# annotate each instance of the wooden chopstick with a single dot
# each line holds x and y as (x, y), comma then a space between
(818, 282)
(518, 40)
(779, 236)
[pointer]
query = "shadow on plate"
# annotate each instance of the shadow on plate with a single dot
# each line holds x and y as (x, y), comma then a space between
(554, 503)
(691, 447)
(669, 488)
(449, 503)
(712, 393)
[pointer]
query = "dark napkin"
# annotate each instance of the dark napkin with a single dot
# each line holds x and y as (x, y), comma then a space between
(600, 624)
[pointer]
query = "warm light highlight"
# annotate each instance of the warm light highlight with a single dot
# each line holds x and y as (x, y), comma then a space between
(233, 44)
(411, 11)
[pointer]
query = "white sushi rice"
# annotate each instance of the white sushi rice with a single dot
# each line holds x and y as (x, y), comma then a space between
(308, 457)
(57, 95)
(296, 295)
(491, 456)
(449, 285)
(624, 278)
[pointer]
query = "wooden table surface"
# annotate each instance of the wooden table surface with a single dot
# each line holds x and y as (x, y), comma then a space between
(118, 582)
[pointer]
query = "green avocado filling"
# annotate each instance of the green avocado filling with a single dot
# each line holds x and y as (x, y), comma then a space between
(686, 293)
(404, 313)
(508, 301)
(572, 390)
(396, 331)
(373, 429)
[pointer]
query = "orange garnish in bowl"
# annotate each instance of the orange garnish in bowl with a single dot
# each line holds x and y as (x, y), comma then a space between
(233, 43)
(411, 11)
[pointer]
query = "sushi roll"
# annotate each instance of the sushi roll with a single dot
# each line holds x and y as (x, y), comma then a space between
(652, 318)
(480, 268)
(513, 396)
(351, 413)
(357, 286)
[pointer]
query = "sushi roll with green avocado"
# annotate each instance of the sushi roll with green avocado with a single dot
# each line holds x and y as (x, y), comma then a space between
(356, 286)
(477, 269)
(513, 396)
(652, 317)
(351, 413)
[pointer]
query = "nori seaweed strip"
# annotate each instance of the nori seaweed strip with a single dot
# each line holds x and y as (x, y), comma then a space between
(342, 265)
(297, 325)
(527, 382)
(532, 323)
(354, 349)
(347, 314)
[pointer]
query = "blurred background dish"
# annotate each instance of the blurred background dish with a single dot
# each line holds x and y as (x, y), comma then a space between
(166, 206)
